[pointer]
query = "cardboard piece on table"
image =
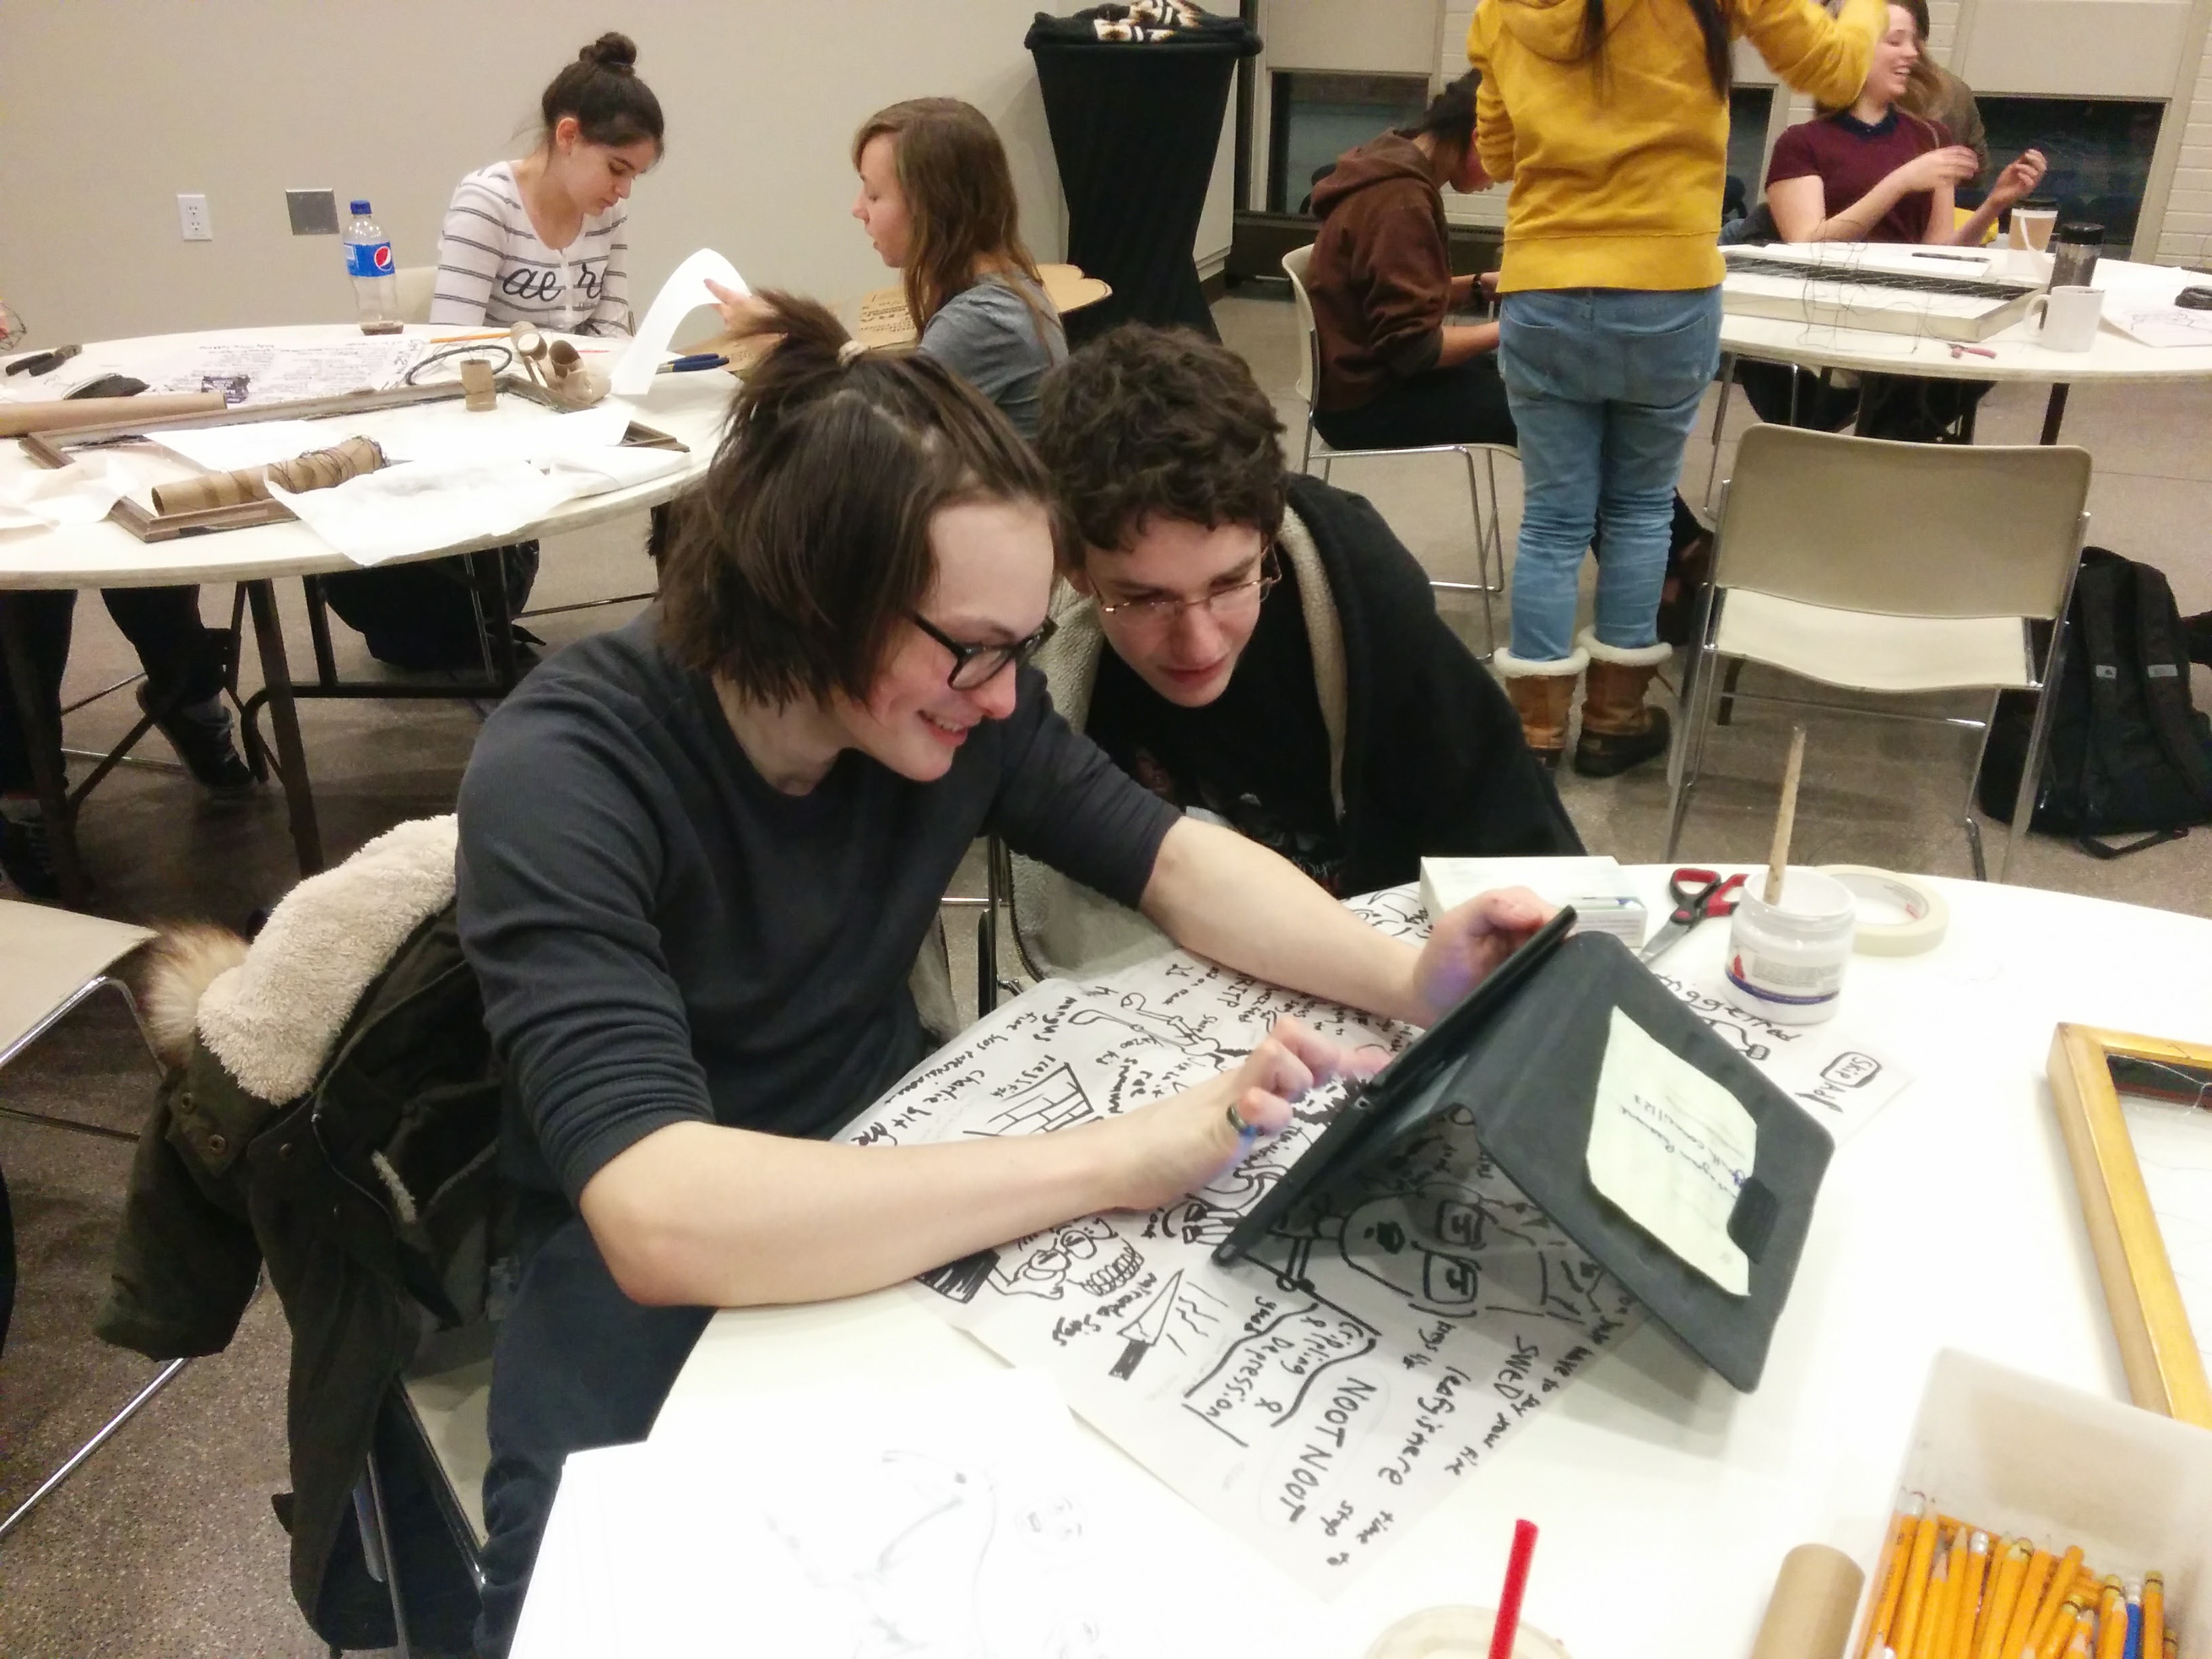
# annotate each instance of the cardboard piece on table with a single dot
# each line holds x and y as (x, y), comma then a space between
(63, 414)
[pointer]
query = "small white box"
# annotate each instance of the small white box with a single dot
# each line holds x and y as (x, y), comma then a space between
(1605, 900)
(2003, 1451)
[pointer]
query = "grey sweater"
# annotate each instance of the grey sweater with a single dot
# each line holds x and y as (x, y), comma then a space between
(990, 338)
(661, 936)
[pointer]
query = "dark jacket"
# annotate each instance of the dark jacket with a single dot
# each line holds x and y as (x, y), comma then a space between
(368, 1193)
(1380, 275)
(1427, 758)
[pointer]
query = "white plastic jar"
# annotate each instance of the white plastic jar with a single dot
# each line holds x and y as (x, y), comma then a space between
(1787, 960)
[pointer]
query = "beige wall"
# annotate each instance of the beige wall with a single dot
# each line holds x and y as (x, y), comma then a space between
(108, 108)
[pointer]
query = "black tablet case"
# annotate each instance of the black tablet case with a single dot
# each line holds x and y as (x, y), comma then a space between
(1530, 1082)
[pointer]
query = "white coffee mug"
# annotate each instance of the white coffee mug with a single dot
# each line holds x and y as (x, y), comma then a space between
(2068, 317)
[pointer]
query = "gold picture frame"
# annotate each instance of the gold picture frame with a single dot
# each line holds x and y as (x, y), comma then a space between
(2164, 1362)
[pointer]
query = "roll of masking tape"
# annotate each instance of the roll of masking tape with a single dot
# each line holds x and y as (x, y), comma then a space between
(1898, 916)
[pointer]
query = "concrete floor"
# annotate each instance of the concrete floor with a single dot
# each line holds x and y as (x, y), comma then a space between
(165, 1543)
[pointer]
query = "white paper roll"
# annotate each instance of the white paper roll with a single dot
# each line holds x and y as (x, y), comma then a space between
(1921, 916)
(679, 296)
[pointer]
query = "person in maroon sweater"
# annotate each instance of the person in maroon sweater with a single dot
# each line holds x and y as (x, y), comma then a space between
(1874, 173)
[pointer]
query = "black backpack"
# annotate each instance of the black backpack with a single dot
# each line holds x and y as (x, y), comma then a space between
(2128, 754)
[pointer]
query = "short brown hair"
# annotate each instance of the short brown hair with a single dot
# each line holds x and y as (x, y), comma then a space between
(1146, 421)
(959, 199)
(805, 548)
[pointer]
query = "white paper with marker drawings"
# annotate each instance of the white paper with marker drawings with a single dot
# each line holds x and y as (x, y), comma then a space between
(1318, 1405)
(1673, 1149)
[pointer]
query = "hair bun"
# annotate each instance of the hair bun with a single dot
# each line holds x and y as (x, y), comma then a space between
(612, 51)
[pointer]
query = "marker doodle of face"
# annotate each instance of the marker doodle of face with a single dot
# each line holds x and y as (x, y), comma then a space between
(1083, 1251)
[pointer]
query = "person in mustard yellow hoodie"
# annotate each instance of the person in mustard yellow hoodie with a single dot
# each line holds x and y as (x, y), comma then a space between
(1610, 120)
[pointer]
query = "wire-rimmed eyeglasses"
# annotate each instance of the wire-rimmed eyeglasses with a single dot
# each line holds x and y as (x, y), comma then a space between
(1233, 600)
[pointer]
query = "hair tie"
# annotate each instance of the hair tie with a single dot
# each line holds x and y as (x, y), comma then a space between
(848, 351)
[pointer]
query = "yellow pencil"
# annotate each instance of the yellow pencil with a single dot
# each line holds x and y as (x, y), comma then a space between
(1894, 1557)
(1916, 1570)
(1961, 1645)
(1997, 1606)
(457, 339)
(2056, 1588)
(2112, 1621)
(2035, 1612)
(1943, 1599)
(2154, 1606)
(2077, 1645)
(2062, 1629)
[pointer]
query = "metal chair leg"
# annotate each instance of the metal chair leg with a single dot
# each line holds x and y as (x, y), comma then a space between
(52, 1482)
(1720, 420)
(1973, 788)
(2031, 769)
(1481, 555)
(1691, 741)
(376, 1549)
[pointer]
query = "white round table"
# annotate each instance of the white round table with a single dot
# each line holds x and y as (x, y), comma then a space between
(689, 407)
(1667, 1500)
(2016, 352)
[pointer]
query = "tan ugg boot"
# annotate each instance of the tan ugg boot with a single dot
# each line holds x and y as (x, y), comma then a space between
(1619, 731)
(1543, 695)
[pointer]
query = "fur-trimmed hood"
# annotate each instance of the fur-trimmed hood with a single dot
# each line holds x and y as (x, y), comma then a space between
(270, 1012)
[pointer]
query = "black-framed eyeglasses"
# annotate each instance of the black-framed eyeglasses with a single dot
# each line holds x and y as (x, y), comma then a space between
(1231, 601)
(974, 667)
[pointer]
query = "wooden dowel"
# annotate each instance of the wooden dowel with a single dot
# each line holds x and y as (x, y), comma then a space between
(1785, 821)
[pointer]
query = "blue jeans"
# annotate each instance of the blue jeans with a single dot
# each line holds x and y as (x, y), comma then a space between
(1604, 385)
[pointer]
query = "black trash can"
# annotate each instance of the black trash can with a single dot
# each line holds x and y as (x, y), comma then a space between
(1135, 126)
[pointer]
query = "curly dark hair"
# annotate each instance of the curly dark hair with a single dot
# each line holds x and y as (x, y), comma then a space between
(1146, 421)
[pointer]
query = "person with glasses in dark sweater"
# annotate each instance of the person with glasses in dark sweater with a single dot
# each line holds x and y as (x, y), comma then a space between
(701, 859)
(1255, 647)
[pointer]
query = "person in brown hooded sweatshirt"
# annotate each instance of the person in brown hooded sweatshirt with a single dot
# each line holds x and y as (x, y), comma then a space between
(1394, 373)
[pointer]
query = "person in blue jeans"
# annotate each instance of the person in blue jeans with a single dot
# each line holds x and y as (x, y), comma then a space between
(1610, 120)
(1605, 385)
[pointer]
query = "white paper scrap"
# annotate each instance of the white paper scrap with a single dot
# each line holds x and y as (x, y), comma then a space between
(252, 443)
(83, 492)
(446, 432)
(425, 507)
(2156, 324)
(680, 296)
(1673, 1149)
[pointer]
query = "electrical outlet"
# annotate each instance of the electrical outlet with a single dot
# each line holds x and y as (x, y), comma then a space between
(192, 218)
(313, 212)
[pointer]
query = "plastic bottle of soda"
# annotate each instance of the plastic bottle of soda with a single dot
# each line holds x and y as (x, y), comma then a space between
(375, 278)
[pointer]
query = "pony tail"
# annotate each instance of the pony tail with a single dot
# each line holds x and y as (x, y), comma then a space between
(806, 360)
(1720, 56)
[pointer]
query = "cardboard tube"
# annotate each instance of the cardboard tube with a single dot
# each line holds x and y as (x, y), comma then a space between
(1809, 1616)
(476, 386)
(318, 469)
(67, 413)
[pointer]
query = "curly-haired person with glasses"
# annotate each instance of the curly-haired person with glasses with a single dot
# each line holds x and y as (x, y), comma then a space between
(1256, 648)
(701, 859)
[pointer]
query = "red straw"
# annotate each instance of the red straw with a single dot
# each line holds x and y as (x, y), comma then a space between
(1517, 1580)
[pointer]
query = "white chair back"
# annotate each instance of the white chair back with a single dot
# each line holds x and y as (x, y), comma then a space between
(1294, 267)
(416, 283)
(1903, 530)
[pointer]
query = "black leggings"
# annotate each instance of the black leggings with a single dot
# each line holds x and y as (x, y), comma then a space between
(181, 653)
(1903, 407)
(1463, 404)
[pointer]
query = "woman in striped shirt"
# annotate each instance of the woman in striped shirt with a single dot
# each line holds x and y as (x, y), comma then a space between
(543, 239)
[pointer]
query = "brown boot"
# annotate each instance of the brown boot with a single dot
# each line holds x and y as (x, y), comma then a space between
(1617, 730)
(1543, 695)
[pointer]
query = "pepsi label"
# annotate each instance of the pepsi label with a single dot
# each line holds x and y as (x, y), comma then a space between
(368, 258)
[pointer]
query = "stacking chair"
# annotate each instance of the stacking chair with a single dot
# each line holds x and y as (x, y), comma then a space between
(1891, 569)
(50, 962)
(1489, 532)
(416, 285)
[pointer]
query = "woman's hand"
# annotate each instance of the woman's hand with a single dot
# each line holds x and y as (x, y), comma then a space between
(1178, 1144)
(1954, 164)
(2023, 176)
(742, 313)
(1471, 940)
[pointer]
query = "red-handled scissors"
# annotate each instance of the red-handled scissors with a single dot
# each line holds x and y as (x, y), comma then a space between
(1697, 894)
